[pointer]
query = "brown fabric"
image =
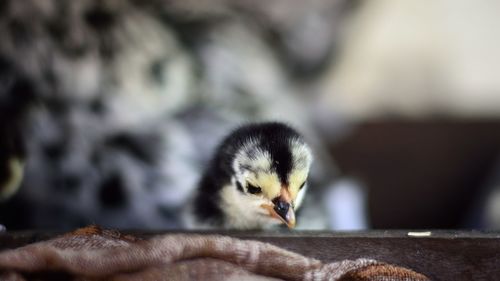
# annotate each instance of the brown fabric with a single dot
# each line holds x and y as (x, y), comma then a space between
(94, 254)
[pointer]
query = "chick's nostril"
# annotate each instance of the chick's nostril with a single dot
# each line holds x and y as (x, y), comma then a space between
(281, 208)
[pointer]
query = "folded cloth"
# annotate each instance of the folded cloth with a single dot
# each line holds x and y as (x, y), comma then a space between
(92, 253)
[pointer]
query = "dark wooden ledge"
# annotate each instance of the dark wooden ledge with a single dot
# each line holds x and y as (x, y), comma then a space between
(442, 255)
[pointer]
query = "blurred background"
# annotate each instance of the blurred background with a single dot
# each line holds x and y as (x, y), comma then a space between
(109, 110)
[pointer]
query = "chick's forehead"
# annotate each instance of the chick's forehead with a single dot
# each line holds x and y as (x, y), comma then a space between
(302, 155)
(258, 166)
(254, 156)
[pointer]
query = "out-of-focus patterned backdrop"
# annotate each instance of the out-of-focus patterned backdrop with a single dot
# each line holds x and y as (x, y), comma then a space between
(109, 109)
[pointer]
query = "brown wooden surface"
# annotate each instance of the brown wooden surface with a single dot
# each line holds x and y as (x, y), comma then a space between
(442, 256)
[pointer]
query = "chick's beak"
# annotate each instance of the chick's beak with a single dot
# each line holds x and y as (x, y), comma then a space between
(282, 209)
(285, 212)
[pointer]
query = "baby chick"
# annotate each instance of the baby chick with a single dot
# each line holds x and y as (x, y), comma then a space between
(257, 179)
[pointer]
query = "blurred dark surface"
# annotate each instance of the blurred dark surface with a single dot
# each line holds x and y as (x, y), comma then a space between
(421, 174)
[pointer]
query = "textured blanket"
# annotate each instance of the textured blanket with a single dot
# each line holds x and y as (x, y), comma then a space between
(94, 254)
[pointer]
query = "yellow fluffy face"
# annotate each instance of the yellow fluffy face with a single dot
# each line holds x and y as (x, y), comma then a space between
(261, 184)
(271, 186)
(257, 170)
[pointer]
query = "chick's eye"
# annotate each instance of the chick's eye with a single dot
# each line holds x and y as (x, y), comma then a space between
(302, 185)
(252, 189)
